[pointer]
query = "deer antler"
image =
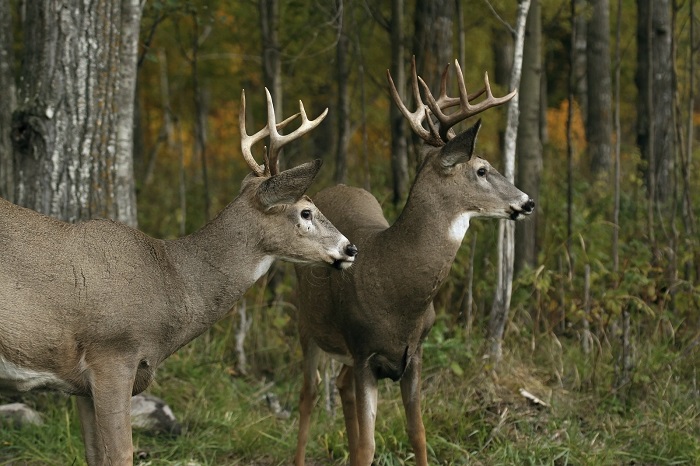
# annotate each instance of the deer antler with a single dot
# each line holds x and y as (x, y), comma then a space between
(277, 141)
(415, 118)
(440, 135)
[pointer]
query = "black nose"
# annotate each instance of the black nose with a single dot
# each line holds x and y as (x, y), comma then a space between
(529, 206)
(351, 250)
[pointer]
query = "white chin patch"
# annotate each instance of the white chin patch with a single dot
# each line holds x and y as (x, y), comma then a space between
(459, 226)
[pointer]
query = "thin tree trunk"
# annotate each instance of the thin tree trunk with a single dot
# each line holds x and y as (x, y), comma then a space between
(506, 229)
(200, 109)
(469, 306)
(73, 132)
(655, 102)
(586, 338)
(686, 163)
(8, 99)
(529, 145)
(165, 135)
(343, 105)
(399, 140)
(579, 38)
(461, 33)
(272, 61)
(618, 141)
(432, 39)
(244, 323)
(569, 140)
(599, 120)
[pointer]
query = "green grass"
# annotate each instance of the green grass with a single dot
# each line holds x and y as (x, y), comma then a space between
(473, 414)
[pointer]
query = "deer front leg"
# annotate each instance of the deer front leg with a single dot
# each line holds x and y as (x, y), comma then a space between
(88, 429)
(410, 394)
(362, 417)
(309, 394)
(106, 417)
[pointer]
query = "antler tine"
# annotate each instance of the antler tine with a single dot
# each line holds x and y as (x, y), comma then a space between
(466, 109)
(277, 140)
(415, 118)
(247, 141)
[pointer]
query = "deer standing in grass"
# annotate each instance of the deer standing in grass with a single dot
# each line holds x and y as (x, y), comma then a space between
(93, 308)
(374, 317)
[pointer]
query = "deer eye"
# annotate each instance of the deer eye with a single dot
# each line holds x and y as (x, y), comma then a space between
(481, 171)
(306, 214)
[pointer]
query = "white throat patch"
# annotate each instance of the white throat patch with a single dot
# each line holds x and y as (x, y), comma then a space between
(262, 267)
(459, 226)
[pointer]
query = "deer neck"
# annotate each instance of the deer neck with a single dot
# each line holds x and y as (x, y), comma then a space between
(217, 264)
(425, 238)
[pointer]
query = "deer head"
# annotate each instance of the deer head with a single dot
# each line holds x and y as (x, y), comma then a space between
(280, 197)
(473, 184)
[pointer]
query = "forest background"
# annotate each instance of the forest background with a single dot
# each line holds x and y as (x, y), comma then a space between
(603, 324)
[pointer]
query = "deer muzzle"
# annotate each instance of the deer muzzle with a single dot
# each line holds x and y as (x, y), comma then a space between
(349, 252)
(523, 210)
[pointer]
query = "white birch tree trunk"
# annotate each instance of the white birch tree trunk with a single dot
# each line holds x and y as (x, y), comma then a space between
(506, 228)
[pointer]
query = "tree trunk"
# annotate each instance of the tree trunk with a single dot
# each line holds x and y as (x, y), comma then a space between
(8, 99)
(506, 229)
(399, 143)
(201, 105)
(529, 146)
(579, 53)
(271, 58)
(272, 62)
(432, 40)
(72, 132)
(655, 111)
(599, 120)
(343, 75)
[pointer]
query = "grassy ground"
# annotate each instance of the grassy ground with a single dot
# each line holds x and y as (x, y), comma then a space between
(473, 414)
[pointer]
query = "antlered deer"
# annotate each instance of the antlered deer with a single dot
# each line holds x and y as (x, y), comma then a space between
(374, 317)
(93, 308)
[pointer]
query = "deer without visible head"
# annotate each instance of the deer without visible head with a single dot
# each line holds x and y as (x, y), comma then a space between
(93, 308)
(374, 316)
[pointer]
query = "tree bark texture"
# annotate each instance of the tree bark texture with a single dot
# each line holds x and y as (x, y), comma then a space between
(399, 142)
(599, 119)
(72, 131)
(506, 229)
(659, 105)
(272, 62)
(432, 40)
(579, 53)
(8, 99)
(343, 104)
(529, 145)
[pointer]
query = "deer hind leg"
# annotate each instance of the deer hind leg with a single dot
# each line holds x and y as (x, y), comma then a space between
(309, 394)
(346, 389)
(410, 394)
(106, 417)
(358, 393)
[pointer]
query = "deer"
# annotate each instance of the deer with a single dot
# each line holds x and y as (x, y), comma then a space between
(373, 317)
(92, 308)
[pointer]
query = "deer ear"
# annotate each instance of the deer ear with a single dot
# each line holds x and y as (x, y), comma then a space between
(460, 148)
(289, 186)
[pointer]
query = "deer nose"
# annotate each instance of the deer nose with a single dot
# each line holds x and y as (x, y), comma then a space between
(351, 250)
(529, 206)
